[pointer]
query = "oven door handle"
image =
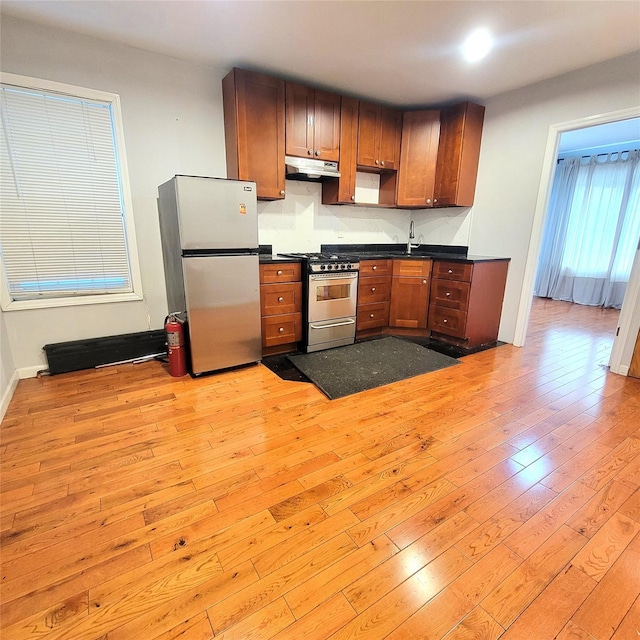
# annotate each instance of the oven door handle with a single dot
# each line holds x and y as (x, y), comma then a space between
(335, 324)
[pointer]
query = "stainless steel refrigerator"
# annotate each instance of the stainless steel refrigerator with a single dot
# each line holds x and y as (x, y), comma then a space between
(209, 230)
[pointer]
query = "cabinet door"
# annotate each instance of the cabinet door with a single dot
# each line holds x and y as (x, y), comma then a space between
(458, 154)
(390, 131)
(368, 135)
(342, 190)
(299, 122)
(254, 130)
(409, 302)
(418, 155)
(327, 126)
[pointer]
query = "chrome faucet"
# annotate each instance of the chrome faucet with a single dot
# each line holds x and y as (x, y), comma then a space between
(411, 237)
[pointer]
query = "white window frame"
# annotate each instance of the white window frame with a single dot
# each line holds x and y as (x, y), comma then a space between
(6, 302)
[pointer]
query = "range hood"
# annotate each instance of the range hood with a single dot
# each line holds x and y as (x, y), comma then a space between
(310, 169)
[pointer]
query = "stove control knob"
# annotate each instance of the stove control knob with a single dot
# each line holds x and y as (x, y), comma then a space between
(343, 266)
(322, 267)
(348, 266)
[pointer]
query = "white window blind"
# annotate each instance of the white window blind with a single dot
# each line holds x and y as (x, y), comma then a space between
(63, 232)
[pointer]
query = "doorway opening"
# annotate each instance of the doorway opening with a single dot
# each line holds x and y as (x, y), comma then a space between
(628, 317)
(591, 231)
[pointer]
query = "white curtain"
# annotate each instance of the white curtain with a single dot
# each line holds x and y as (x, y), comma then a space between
(592, 230)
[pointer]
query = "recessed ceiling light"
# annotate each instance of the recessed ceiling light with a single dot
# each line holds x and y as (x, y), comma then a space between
(477, 45)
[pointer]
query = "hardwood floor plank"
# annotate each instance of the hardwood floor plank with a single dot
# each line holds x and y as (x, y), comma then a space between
(597, 511)
(630, 623)
(253, 507)
(245, 602)
(612, 598)
(263, 624)
(478, 625)
(321, 622)
(196, 628)
(552, 609)
(511, 597)
(606, 546)
(304, 598)
(539, 528)
(490, 533)
(385, 614)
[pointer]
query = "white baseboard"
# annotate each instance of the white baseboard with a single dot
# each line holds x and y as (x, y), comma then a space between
(30, 372)
(8, 394)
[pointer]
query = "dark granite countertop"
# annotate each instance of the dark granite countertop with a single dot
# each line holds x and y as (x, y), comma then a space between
(270, 258)
(454, 253)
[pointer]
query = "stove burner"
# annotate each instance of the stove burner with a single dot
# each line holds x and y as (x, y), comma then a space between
(326, 261)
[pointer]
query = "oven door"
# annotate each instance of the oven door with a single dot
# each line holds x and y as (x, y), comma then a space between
(332, 295)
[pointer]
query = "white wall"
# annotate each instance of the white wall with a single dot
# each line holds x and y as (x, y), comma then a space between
(172, 113)
(301, 222)
(8, 374)
(514, 141)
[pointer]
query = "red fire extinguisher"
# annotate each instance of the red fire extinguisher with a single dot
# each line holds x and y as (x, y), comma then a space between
(174, 329)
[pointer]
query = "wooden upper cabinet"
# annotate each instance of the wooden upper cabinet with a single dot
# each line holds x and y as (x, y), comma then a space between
(342, 190)
(379, 130)
(254, 121)
(312, 123)
(458, 154)
(418, 155)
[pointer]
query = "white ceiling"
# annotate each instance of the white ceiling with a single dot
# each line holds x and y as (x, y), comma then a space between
(403, 52)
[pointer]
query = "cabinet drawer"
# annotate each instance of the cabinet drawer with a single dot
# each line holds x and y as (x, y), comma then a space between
(450, 293)
(371, 316)
(280, 272)
(451, 322)
(276, 299)
(376, 289)
(281, 329)
(375, 268)
(452, 270)
(412, 268)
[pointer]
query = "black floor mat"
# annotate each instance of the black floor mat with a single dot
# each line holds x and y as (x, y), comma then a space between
(365, 365)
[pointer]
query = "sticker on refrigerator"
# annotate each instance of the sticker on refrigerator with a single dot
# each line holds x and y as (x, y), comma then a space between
(243, 208)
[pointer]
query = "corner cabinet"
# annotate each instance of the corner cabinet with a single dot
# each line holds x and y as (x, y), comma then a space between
(342, 190)
(281, 306)
(466, 301)
(254, 125)
(410, 294)
(379, 131)
(312, 127)
(458, 155)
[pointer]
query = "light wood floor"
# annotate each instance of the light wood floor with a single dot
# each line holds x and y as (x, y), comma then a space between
(497, 498)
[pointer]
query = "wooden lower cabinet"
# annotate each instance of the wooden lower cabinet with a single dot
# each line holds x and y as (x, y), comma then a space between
(281, 306)
(410, 294)
(466, 301)
(374, 294)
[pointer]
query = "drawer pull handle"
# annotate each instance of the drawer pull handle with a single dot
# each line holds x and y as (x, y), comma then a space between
(375, 268)
(281, 299)
(373, 289)
(281, 329)
(448, 293)
(371, 315)
(424, 282)
(450, 271)
(445, 321)
(279, 273)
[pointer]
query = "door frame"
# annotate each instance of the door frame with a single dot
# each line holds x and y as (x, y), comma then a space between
(632, 295)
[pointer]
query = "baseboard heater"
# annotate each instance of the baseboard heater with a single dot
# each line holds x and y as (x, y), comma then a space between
(87, 354)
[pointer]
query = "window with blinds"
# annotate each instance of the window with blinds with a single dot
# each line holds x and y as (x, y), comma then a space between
(64, 232)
